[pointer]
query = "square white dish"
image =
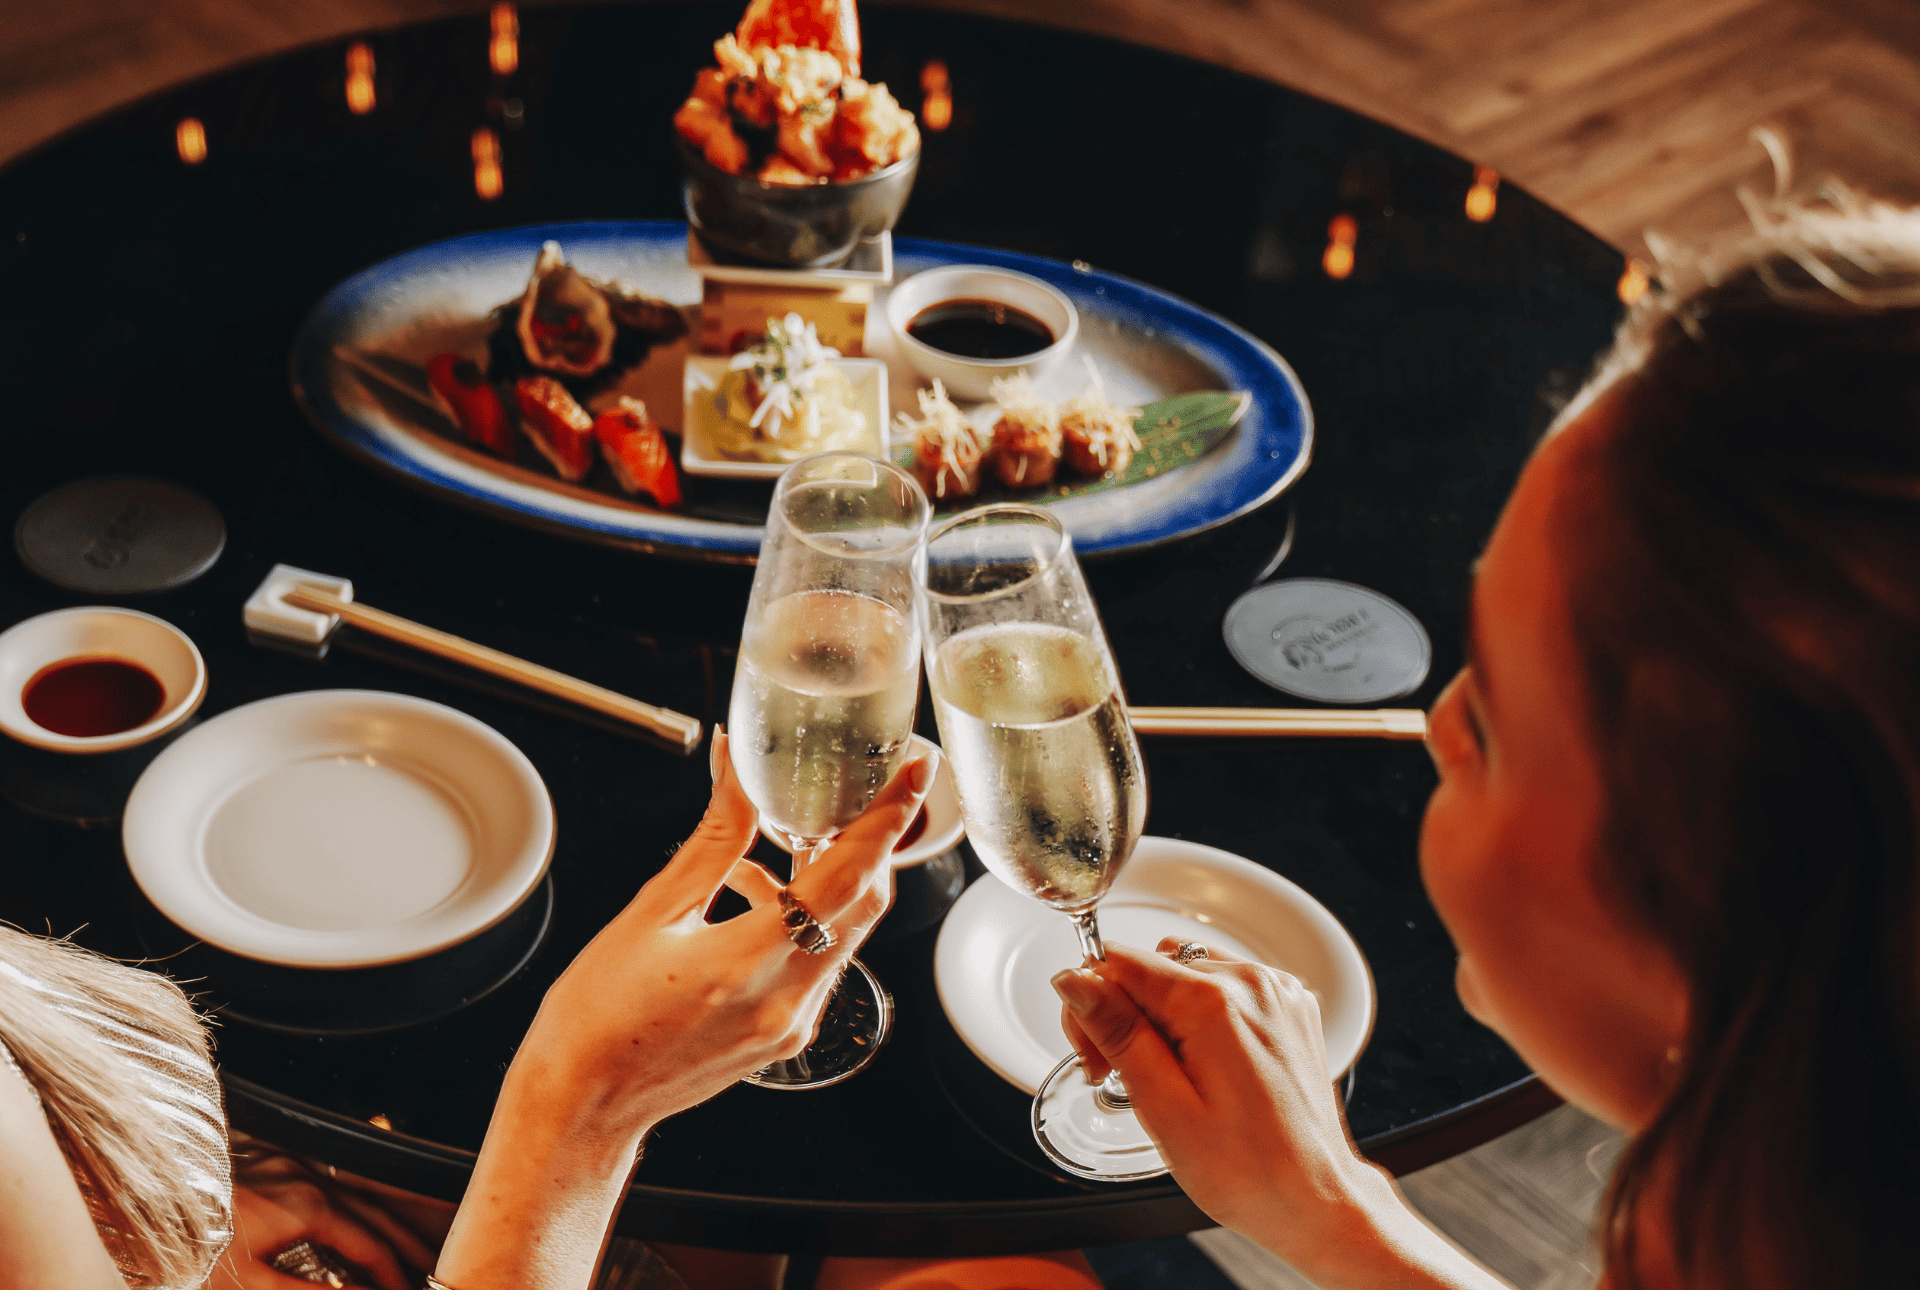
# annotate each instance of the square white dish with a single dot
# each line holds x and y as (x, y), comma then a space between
(702, 412)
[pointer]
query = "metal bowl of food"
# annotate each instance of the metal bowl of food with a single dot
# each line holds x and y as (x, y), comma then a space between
(791, 226)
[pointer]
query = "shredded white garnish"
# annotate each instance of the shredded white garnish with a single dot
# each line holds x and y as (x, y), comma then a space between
(1018, 399)
(784, 367)
(942, 425)
(1091, 416)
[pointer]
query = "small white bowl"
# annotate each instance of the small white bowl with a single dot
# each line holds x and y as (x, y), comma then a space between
(944, 828)
(972, 378)
(99, 631)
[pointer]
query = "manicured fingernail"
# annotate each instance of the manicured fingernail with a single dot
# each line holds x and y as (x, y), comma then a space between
(920, 774)
(1077, 990)
(713, 756)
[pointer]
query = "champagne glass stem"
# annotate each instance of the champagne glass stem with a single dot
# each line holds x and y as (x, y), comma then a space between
(1111, 1095)
(1086, 922)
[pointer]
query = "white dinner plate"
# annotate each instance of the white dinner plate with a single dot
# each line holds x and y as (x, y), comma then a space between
(339, 828)
(999, 949)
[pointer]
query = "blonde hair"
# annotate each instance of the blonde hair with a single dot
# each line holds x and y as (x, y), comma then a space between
(120, 1063)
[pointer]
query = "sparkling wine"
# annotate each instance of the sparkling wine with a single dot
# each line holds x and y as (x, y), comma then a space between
(1048, 769)
(823, 707)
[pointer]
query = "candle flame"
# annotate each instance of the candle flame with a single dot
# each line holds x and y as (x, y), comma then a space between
(190, 139)
(1342, 232)
(936, 108)
(487, 179)
(360, 78)
(1481, 198)
(1633, 283)
(503, 51)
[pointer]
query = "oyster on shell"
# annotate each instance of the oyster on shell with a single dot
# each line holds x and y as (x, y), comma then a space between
(565, 323)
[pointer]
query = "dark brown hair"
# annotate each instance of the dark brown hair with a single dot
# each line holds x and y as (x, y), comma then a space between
(1749, 613)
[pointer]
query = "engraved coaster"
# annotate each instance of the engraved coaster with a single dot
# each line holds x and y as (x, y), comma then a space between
(120, 535)
(1327, 640)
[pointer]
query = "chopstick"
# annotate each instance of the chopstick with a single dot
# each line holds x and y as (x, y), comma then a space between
(1338, 723)
(677, 727)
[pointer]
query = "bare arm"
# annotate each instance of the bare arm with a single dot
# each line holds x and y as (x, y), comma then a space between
(47, 1238)
(659, 1013)
(1227, 1068)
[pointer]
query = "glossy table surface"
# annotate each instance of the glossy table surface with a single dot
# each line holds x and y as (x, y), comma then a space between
(145, 312)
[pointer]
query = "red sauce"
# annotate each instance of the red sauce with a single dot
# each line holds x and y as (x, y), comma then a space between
(914, 830)
(84, 697)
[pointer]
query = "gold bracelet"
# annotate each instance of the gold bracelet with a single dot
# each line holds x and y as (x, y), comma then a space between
(434, 1283)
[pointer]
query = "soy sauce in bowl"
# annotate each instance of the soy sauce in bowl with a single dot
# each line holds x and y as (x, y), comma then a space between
(87, 697)
(980, 329)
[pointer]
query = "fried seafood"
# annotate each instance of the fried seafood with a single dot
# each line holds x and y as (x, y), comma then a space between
(830, 26)
(1026, 437)
(786, 102)
(1097, 433)
(873, 129)
(947, 450)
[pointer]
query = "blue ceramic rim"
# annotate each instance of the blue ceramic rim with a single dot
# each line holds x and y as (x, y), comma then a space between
(1278, 427)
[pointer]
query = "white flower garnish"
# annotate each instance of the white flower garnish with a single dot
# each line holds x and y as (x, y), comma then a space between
(784, 368)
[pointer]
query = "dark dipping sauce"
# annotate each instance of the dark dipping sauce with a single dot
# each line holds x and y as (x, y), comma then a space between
(980, 329)
(85, 697)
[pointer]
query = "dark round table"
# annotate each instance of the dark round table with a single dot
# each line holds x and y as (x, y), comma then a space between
(146, 307)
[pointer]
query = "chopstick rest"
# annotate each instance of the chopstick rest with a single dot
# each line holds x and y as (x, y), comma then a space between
(1338, 723)
(296, 604)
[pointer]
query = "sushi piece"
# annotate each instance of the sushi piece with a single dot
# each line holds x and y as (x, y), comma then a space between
(1026, 437)
(1097, 433)
(637, 452)
(559, 427)
(947, 450)
(462, 390)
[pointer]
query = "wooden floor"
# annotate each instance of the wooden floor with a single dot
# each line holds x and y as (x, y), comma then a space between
(1626, 114)
(1523, 1205)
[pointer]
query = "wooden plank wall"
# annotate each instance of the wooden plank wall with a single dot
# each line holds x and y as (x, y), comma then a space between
(1626, 114)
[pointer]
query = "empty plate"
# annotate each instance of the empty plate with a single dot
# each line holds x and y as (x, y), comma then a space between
(339, 828)
(999, 949)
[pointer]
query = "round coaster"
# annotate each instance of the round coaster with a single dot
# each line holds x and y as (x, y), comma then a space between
(1327, 640)
(118, 535)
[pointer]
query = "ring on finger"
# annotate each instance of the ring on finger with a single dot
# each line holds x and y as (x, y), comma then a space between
(807, 932)
(1190, 952)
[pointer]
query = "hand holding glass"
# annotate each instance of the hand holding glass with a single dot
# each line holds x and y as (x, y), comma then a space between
(1034, 723)
(826, 688)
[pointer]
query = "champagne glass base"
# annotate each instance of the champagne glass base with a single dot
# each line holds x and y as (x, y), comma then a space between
(853, 1029)
(1083, 1136)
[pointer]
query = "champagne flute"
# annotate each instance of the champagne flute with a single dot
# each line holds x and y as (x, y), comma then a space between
(825, 693)
(1034, 724)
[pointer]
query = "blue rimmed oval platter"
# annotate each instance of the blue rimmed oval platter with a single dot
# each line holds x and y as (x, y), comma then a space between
(357, 362)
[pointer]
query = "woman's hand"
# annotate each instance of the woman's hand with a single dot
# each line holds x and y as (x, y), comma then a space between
(1227, 1067)
(270, 1217)
(661, 1011)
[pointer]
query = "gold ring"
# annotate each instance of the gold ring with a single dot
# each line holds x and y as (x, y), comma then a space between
(803, 929)
(1189, 952)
